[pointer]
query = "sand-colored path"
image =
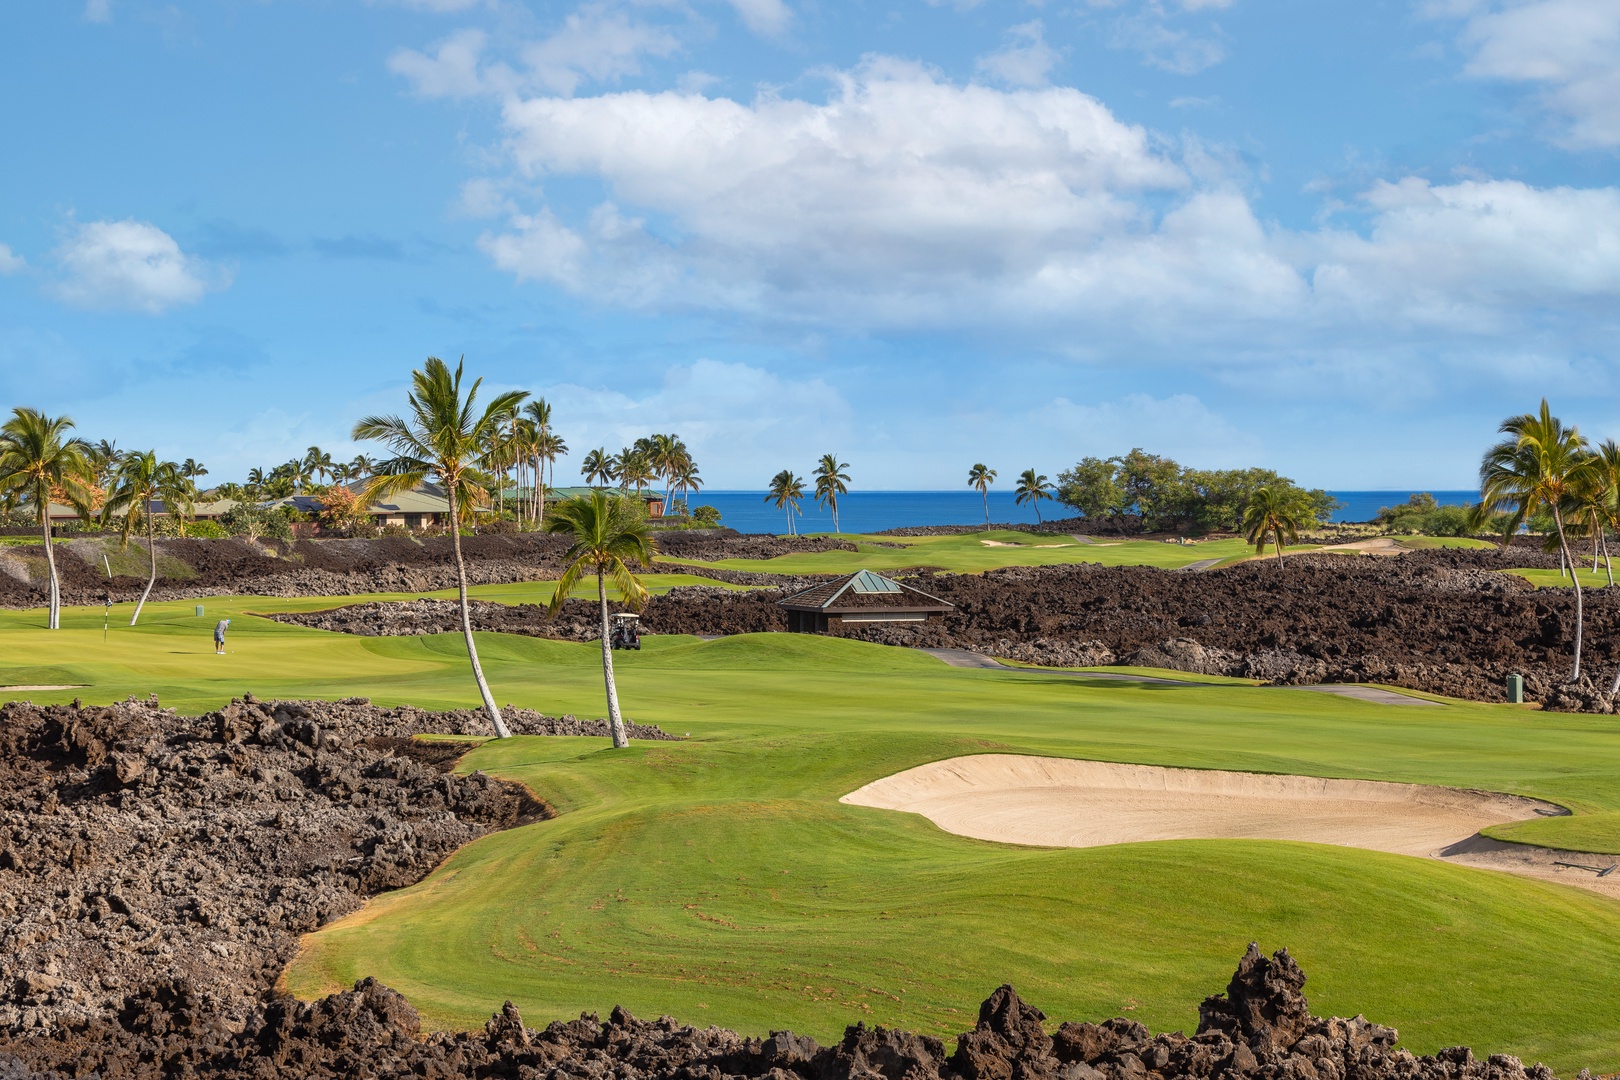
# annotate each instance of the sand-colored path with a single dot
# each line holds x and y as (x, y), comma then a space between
(1063, 802)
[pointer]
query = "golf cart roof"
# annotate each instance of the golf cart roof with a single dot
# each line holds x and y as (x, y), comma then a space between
(627, 616)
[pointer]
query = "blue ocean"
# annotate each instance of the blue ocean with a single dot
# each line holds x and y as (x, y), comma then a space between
(874, 511)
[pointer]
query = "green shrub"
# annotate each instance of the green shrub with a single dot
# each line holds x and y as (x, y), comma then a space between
(706, 516)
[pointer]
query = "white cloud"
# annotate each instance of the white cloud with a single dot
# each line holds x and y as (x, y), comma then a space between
(10, 261)
(450, 72)
(128, 265)
(1026, 60)
(98, 11)
(594, 44)
(1568, 48)
(738, 419)
(1151, 32)
(767, 18)
(598, 45)
(1179, 425)
(905, 203)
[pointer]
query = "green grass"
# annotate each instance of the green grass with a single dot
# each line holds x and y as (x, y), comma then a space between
(1553, 579)
(968, 553)
(720, 880)
(1420, 543)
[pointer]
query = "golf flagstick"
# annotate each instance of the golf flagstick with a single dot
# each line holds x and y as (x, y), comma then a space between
(106, 607)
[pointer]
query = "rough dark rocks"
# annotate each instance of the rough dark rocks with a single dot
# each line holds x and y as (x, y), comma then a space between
(1439, 621)
(140, 847)
(1261, 1028)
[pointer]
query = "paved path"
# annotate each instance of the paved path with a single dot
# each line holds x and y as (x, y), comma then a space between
(1079, 539)
(1201, 564)
(967, 658)
(1366, 693)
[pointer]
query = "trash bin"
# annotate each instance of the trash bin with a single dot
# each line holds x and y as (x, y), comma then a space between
(1515, 689)
(199, 611)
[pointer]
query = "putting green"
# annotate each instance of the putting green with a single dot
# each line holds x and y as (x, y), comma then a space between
(718, 879)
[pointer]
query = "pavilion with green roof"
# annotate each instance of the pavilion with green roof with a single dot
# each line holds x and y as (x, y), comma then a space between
(860, 599)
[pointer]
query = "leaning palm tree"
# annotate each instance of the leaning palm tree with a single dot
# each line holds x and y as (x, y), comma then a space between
(40, 463)
(1271, 515)
(1540, 465)
(687, 478)
(444, 438)
(785, 491)
(144, 481)
(597, 468)
(1032, 488)
(980, 477)
(609, 535)
(831, 482)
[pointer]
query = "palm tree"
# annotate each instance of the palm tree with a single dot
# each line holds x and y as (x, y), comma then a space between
(444, 438)
(687, 478)
(786, 490)
(1032, 488)
(1607, 487)
(538, 414)
(1271, 515)
(609, 534)
(360, 467)
(1541, 465)
(143, 480)
(255, 479)
(317, 463)
(192, 469)
(597, 468)
(980, 477)
(831, 482)
(551, 446)
(39, 463)
(635, 467)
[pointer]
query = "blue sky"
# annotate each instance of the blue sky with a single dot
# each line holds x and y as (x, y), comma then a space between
(1341, 238)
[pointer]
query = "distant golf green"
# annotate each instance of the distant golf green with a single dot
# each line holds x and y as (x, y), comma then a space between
(720, 880)
(969, 553)
(1553, 579)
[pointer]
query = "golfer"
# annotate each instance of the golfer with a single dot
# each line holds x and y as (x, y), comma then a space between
(219, 636)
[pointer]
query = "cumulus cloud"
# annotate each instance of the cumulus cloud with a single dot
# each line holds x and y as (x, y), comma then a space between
(905, 202)
(1569, 49)
(10, 261)
(129, 265)
(1026, 59)
(768, 18)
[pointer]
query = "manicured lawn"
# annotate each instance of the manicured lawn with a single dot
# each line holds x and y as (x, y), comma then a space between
(720, 880)
(1552, 579)
(974, 552)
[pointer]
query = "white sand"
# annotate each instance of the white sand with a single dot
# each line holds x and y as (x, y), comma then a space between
(43, 686)
(1062, 802)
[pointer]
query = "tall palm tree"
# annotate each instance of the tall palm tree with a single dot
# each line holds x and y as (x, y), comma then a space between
(980, 477)
(687, 478)
(40, 463)
(1540, 465)
(1271, 515)
(1607, 489)
(444, 438)
(255, 479)
(550, 447)
(785, 491)
(597, 468)
(609, 535)
(143, 481)
(538, 414)
(192, 469)
(1032, 488)
(831, 482)
(360, 467)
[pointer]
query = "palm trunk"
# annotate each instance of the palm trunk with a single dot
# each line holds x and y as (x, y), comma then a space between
(1580, 612)
(501, 731)
(836, 529)
(1594, 551)
(540, 493)
(151, 551)
(1608, 562)
(53, 620)
(615, 721)
(985, 496)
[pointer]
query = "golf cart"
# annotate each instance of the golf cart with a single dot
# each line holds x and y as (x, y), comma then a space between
(625, 632)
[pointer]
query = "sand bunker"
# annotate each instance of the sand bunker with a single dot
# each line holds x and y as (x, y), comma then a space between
(1062, 802)
(42, 686)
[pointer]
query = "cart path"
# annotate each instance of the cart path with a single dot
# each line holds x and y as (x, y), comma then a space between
(967, 658)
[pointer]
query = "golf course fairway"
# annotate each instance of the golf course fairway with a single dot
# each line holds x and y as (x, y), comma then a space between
(718, 879)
